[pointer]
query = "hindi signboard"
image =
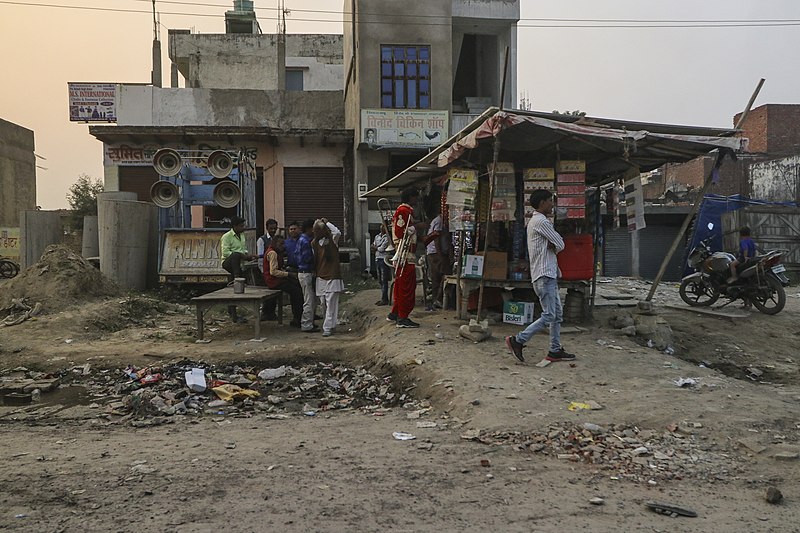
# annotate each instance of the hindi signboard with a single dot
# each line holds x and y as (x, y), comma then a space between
(9, 243)
(92, 102)
(404, 127)
(141, 155)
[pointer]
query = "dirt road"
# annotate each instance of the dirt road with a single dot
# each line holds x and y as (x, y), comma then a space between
(714, 446)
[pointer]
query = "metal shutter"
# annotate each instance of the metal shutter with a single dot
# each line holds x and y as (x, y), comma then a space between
(617, 253)
(654, 243)
(313, 192)
(138, 180)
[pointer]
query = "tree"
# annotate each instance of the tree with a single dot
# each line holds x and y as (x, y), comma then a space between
(82, 198)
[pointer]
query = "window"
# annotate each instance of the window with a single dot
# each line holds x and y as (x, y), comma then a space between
(406, 77)
(294, 79)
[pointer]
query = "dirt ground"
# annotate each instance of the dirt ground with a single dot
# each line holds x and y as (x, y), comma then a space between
(506, 453)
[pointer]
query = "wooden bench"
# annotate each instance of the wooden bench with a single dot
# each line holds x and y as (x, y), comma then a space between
(252, 296)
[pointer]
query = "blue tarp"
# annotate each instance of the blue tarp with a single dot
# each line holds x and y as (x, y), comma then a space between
(711, 210)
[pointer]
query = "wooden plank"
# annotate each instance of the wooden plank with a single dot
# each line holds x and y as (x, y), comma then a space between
(251, 293)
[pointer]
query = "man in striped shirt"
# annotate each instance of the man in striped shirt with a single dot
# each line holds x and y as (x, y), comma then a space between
(543, 245)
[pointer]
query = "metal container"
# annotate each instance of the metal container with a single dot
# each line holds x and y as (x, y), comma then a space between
(238, 286)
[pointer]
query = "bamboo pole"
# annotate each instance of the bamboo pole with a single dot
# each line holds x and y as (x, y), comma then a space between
(698, 201)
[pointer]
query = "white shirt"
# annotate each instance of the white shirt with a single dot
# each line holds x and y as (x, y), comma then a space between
(543, 260)
(436, 225)
(335, 233)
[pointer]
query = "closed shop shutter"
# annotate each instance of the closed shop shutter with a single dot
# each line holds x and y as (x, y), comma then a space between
(617, 253)
(654, 243)
(138, 180)
(313, 192)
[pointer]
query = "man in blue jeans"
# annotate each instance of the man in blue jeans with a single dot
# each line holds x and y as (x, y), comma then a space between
(543, 245)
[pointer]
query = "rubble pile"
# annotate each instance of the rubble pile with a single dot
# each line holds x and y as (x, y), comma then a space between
(60, 279)
(626, 452)
(191, 388)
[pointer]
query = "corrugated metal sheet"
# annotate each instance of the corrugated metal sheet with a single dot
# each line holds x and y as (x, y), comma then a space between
(314, 192)
(617, 253)
(772, 227)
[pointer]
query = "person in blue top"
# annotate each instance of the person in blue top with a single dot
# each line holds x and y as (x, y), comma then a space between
(293, 233)
(747, 250)
(304, 261)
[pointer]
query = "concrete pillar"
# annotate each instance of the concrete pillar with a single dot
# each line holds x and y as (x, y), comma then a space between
(635, 254)
(106, 196)
(124, 230)
(37, 231)
(90, 247)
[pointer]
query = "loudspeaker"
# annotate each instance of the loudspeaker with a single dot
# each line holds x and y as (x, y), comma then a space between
(164, 194)
(220, 164)
(167, 162)
(227, 194)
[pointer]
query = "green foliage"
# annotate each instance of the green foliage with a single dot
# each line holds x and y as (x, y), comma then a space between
(576, 113)
(82, 198)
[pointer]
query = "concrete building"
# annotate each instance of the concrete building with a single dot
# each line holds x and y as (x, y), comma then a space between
(416, 72)
(17, 183)
(277, 97)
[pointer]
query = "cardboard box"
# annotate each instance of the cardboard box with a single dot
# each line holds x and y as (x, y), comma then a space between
(472, 266)
(538, 174)
(495, 265)
(576, 178)
(520, 313)
(571, 166)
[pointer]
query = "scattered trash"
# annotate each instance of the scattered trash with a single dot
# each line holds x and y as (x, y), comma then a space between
(592, 427)
(543, 363)
(574, 406)
(486, 463)
(400, 435)
(670, 509)
(196, 379)
(685, 382)
(229, 392)
(426, 424)
(202, 341)
(597, 501)
(272, 373)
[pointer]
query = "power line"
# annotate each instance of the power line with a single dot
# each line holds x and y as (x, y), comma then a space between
(584, 23)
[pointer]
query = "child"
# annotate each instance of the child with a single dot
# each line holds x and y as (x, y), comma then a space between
(747, 250)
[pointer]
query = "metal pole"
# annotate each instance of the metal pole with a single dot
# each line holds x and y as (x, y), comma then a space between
(698, 202)
(503, 86)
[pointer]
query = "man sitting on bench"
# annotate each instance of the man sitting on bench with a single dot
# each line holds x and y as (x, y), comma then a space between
(278, 278)
(234, 251)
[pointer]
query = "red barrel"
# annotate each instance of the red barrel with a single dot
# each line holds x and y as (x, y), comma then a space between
(576, 260)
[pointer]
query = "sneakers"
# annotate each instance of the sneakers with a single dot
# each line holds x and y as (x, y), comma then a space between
(391, 317)
(312, 329)
(327, 333)
(560, 355)
(381, 302)
(406, 323)
(515, 347)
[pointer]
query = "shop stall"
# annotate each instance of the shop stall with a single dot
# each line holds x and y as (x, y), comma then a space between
(483, 177)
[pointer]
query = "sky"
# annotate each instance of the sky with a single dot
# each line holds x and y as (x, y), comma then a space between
(697, 76)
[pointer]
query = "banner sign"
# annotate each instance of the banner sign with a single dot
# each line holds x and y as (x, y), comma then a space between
(404, 127)
(92, 102)
(141, 155)
(634, 203)
(9, 243)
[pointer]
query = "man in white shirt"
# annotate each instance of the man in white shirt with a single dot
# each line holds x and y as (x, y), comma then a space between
(437, 259)
(379, 245)
(543, 245)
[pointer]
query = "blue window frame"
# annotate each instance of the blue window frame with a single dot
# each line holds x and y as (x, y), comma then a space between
(405, 77)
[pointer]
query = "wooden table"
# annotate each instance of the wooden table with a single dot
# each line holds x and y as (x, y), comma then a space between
(467, 285)
(252, 296)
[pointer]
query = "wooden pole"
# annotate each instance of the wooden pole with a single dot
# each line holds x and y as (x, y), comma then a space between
(698, 201)
(503, 87)
(492, 175)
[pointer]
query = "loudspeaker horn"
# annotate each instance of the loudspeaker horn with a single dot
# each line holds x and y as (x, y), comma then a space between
(167, 162)
(164, 194)
(220, 164)
(227, 194)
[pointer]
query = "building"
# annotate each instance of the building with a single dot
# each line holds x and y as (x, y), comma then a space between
(277, 97)
(415, 73)
(766, 172)
(17, 183)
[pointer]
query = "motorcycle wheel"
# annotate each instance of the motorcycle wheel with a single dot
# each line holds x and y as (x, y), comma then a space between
(7, 269)
(771, 300)
(698, 293)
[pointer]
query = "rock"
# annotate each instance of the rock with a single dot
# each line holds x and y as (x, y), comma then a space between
(630, 331)
(597, 501)
(774, 495)
(645, 307)
(656, 329)
(537, 447)
(752, 445)
(641, 450)
(474, 336)
(621, 320)
(787, 456)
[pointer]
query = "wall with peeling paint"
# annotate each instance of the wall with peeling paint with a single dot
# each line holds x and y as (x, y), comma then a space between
(776, 180)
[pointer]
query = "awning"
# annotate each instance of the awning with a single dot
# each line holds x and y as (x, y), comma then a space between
(609, 147)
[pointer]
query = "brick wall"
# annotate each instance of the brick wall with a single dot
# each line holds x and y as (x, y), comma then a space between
(773, 129)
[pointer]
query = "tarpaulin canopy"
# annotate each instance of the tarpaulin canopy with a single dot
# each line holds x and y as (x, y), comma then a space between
(607, 146)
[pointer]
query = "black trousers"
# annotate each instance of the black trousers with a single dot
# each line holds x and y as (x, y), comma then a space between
(292, 287)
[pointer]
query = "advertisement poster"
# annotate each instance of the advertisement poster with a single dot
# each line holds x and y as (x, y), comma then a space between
(404, 127)
(141, 155)
(634, 203)
(92, 102)
(9, 243)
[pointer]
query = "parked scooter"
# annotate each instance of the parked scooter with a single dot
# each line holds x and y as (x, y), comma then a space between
(760, 280)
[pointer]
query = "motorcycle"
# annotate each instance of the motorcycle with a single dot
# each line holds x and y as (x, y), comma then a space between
(760, 280)
(8, 268)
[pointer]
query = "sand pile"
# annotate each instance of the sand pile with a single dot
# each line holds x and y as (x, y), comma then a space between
(59, 280)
